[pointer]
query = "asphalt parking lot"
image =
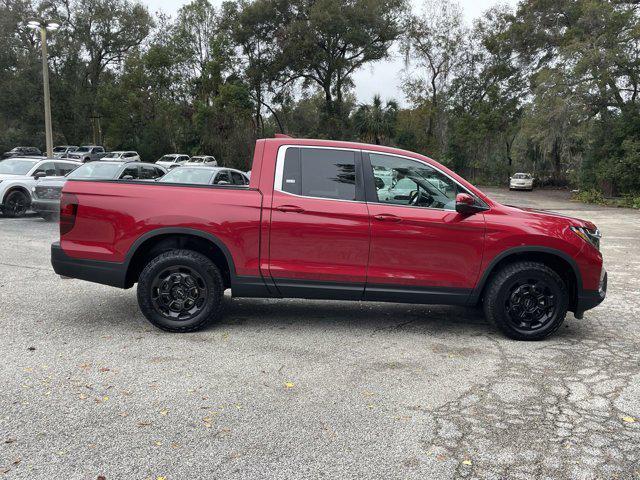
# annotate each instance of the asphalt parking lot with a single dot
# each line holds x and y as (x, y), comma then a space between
(303, 389)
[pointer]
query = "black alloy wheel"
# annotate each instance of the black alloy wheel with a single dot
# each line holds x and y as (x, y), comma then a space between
(181, 291)
(178, 293)
(530, 304)
(16, 204)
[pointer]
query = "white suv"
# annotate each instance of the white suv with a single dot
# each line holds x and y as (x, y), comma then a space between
(18, 176)
(173, 160)
(122, 156)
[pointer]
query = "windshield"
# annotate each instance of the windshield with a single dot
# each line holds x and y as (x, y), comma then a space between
(60, 149)
(199, 176)
(522, 176)
(112, 155)
(168, 158)
(16, 167)
(96, 170)
(83, 149)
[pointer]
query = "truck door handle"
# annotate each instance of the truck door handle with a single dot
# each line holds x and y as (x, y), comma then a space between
(290, 208)
(387, 217)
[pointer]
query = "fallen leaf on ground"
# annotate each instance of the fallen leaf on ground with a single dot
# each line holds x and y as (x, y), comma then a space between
(628, 419)
(144, 424)
(289, 385)
(164, 412)
(466, 462)
(10, 440)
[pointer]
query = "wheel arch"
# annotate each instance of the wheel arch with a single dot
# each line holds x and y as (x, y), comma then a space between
(562, 263)
(13, 188)
(159, 240)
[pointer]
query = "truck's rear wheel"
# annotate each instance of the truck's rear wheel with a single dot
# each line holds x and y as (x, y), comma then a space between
(180, 291)
(526, 301)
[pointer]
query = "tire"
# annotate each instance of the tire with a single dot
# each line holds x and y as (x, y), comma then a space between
(181, 291)
(526, 301)
(16, 204)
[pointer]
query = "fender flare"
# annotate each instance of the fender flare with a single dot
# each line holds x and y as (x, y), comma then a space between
(475, 295)
(181, 231)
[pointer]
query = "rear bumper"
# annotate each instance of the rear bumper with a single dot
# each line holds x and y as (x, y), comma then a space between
(107, 273)
(47, 206)
(589, 299)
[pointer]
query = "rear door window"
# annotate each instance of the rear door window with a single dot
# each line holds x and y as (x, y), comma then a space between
(147, 172)
(238, 179)
(320, 173)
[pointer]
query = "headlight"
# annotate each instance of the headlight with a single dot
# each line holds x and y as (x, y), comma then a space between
(590, 236)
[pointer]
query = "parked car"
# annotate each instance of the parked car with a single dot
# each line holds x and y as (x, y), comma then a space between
(45, 194)
(521, 181)
(19, 175)
(22, 152)
(61, 151)
(87, 153)
(202, 160)
(173, 160)
(203, 175)
(311, 224)
(122, 156)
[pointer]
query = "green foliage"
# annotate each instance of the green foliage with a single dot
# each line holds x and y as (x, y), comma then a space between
(550, 87)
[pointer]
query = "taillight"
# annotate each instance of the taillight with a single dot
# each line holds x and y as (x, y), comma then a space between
(68, 211)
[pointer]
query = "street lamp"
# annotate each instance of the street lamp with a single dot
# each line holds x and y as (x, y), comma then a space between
(43, 26)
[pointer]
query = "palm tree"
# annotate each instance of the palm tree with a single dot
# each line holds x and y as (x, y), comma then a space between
(376, 123)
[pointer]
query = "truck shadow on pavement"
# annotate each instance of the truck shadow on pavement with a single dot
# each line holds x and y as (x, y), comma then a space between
(121, 312)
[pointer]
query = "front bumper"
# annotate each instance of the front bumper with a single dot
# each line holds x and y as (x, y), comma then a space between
(107, 273)
(589, 299)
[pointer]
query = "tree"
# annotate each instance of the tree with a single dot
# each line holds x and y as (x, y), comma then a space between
(326, 41)
(376, 122)
(435, 41)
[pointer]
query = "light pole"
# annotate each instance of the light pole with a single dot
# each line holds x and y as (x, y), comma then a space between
(43, 26)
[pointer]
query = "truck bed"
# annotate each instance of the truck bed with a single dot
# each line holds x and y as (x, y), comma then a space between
(112, 216)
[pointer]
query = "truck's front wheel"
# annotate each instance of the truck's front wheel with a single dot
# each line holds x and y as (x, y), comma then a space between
(526, 301)
(180, 291)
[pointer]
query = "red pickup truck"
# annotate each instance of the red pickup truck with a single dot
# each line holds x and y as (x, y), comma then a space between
(329, 220)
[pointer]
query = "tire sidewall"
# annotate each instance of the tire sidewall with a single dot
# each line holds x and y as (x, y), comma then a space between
(559, 290)
(204, 267)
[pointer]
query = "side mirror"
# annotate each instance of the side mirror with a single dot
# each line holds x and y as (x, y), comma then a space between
(223, 182)
(39, 175)
(466, 204)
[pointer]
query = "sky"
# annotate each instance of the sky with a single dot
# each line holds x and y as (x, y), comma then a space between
(383, 77)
